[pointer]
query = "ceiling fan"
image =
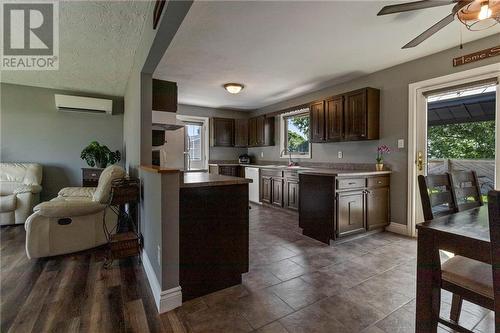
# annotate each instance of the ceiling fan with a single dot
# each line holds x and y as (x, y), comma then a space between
(474, 14)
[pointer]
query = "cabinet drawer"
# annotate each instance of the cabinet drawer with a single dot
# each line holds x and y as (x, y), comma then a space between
(346, 183)
(92, 174)
(271, 173)
(378, 181)
(291, 174)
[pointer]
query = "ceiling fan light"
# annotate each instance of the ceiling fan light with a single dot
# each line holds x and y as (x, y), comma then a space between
(485, 11)
(233, 88)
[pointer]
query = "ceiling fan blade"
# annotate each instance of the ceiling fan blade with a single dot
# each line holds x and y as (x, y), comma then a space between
(409, 6)
(431, 31)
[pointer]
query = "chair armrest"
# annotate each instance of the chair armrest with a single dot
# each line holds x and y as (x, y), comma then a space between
(77, 192)
(28, 189)
(68, 208)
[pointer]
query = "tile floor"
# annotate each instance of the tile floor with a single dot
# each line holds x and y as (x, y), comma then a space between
(296, 284)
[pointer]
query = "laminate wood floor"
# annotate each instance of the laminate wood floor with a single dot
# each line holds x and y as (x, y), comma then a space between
(295, 284)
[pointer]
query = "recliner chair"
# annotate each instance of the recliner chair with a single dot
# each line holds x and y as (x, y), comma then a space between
(74, 220)
(20, 187)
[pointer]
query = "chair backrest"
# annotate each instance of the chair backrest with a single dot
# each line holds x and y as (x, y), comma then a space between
(466, 190)
(494, 221)
(103, 189)
(436, 195)
(24, 173)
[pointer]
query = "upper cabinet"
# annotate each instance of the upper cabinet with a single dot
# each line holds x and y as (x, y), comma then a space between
(222, 132)
(164, 96)
(261, 131)
(352, 116)
(241, 132)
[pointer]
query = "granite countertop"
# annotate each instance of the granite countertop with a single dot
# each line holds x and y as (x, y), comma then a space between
(342, 173)
(203, 179)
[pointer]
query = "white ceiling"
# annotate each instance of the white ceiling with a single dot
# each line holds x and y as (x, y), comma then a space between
(97, 43)
(283, 49)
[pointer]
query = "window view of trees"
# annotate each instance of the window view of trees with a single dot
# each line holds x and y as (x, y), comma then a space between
(297, 133)
(474, 140)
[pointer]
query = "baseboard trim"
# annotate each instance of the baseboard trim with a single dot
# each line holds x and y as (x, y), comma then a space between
(397, 228)
(165, 300)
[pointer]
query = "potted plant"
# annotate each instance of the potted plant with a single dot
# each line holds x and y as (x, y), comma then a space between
(100, 156)
(381, 150)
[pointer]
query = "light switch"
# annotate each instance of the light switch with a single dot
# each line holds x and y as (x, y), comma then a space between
(401, 143)
(340, 154)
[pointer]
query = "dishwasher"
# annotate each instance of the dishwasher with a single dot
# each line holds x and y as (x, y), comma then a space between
(253, 188)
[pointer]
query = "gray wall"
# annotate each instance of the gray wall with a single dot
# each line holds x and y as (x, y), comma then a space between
(32, 130)
(393, 84)
(216, 153)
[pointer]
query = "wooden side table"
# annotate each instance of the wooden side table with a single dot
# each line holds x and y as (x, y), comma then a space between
(90, 176)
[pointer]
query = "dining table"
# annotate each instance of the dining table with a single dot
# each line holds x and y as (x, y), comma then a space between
(464, 233)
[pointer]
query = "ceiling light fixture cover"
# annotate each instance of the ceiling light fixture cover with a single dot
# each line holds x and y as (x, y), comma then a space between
(233, 88)
(480, 15)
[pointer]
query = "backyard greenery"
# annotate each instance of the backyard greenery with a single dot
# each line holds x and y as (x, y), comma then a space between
(298, 133)
(462, 141)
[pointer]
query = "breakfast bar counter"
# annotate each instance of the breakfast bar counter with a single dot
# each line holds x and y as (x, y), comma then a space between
(202, 179)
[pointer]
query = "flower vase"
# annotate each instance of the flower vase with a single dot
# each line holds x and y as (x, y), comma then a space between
(379, 166)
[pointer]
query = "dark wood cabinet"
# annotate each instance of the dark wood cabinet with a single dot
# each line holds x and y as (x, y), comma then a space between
(350, 212)
(261, 131)
(334, 119)
(241, 132)
(226, 170)
(291, 194)
(277, 192)
(377, 207)
(361, 114)
(317, 114)
(90, 176)
(266, 189)
(222, 131)
(164, 96)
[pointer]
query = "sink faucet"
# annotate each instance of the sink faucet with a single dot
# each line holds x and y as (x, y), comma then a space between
(290, 162)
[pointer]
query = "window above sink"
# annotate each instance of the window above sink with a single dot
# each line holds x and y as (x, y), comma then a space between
(294, 134)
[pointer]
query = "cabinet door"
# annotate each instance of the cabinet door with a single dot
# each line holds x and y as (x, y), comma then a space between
(334, 118)
(222, 132)
(317, 114)
(252, 132)
(292, 194)
(268, 131)
(260, 128)
(265, 189)
(164, 96)
(355, 115)
(229, 170)
(277, 192)
(241, 132)
(350, 212)
(377, 208)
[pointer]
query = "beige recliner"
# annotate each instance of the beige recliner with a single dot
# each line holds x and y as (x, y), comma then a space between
(74, 220)
(20, 187)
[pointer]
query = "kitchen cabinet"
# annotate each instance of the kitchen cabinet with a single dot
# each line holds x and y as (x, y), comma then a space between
(266, 184)
(241, 132)
(317, 114)
(226, 170)
(351, 116)
(361, 114)
(335, 206)
(277, 191)
(222, 132)
(164, 96)
(350, 212)
(291, 194)
(261, 131)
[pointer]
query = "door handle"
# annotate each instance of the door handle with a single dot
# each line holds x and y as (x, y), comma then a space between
(420, 161)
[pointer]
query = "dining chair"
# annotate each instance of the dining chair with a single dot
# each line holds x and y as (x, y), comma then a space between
(436, 193)
(472, 280)
(466, 190)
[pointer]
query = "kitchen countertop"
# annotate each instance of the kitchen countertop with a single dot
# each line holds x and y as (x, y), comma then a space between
(342, 173)
(203, 179)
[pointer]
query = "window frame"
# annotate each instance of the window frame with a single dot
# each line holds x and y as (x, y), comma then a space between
(284, 134)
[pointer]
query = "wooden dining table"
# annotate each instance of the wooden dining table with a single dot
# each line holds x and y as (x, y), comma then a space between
(465, 233)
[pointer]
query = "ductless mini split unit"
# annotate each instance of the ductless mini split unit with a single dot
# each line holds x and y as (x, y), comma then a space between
(69, 103)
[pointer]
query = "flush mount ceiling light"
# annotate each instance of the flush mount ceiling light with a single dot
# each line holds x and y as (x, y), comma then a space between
(233, 88)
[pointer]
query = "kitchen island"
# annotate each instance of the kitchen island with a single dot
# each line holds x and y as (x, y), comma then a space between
(339, 203)
(213, 232)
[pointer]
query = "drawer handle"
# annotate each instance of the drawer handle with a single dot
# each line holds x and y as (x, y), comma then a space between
(93, 174)
(379, 182)
(351, 183)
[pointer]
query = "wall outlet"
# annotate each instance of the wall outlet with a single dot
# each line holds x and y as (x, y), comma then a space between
(158, 255)
(340, 154)
(261, 154)
(401, 143)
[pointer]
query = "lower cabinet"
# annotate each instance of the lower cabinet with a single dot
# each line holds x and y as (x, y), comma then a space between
(350, 212)
(377, 207)
(277, 192)
(291, 194)
(266, 189)
(226, 170)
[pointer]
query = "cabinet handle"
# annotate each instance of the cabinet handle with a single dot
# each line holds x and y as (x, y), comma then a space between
(379, 182)
(351, 183)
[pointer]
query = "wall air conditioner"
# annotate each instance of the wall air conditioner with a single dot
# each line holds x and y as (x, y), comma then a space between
(69, 103)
